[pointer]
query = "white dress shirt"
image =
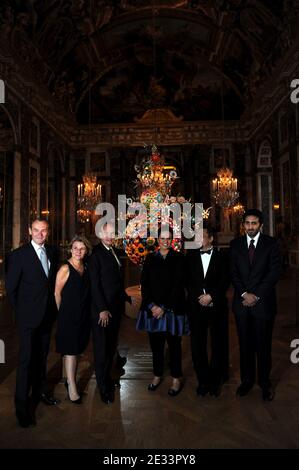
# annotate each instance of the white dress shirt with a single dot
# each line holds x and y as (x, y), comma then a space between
(205, 259)
(37, 249)
(256, 238)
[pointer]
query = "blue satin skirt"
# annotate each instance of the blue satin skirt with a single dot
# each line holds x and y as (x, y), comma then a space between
(171, 323)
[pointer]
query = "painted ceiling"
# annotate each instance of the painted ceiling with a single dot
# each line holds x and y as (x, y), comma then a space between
(111, 61)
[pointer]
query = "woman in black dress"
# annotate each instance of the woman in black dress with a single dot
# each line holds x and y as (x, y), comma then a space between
(73, 324)
(162, 312)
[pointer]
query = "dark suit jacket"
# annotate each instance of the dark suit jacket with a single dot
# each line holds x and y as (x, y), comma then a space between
(107, 282)
(162, 282)
(215, 283)
(29, 290)
(260, 278)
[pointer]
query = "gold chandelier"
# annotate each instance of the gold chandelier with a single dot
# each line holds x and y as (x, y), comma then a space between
(238, 209)
(153, 174)
(89, 195)
(225, 188)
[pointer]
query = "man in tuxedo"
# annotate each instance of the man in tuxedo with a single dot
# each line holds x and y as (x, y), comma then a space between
(207, 281)
(30, 281)
(108, 298)
(255, 269)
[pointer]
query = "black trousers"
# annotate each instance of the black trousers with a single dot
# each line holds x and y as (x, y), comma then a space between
(34, 345)
(255, 341)
(104, 347)
(157, 342)
(213, 371)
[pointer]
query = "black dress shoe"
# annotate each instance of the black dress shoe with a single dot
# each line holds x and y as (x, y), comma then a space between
(202, 390)
(48, 400)
(114, 383)
(32, 415)
(120, 362)
(107, 397)
(32, 419)
(25, 420)
(153, 387)
(267, 394)
(244, 389)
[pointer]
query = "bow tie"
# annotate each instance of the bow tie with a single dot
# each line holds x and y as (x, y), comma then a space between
(207, 252)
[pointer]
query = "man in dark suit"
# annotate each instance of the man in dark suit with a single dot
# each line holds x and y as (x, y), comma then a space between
(207, 281)
(255, 269)
(108, 298)
(30, 281)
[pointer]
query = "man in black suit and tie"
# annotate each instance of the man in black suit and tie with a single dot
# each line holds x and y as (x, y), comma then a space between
(30, 281)
(108, 298)
(207, 281)
(255, 269)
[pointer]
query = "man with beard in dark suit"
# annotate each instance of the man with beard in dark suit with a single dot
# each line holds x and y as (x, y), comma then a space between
(30, 281)
(207, 280)
(255, 269)
(108, 298)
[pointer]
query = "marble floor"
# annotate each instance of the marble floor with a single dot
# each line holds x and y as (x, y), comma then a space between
(140, 419)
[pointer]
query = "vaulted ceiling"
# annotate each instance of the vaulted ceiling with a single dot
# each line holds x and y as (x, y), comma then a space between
(111, 61)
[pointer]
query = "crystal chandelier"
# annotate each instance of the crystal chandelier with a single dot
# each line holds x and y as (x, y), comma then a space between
(89, 195)
(239, 209)
(153, 174)
(206, 213)
(225, 188)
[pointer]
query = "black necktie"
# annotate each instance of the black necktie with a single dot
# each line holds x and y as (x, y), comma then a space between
(207, 252)
(251, 250)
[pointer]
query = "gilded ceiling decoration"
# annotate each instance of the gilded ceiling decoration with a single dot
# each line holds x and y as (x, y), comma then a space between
(111, 61)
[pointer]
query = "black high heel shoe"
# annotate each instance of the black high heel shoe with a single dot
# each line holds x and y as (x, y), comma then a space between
(173, 392)
(152, 387)
(76, 402)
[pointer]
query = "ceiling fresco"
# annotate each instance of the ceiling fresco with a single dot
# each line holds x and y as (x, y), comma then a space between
(111, 61)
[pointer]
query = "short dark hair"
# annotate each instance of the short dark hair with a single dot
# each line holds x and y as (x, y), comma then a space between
(255, 212)
(210, 230)
(39, 219)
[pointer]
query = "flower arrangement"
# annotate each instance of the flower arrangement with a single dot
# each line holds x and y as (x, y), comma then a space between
(155, 185)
